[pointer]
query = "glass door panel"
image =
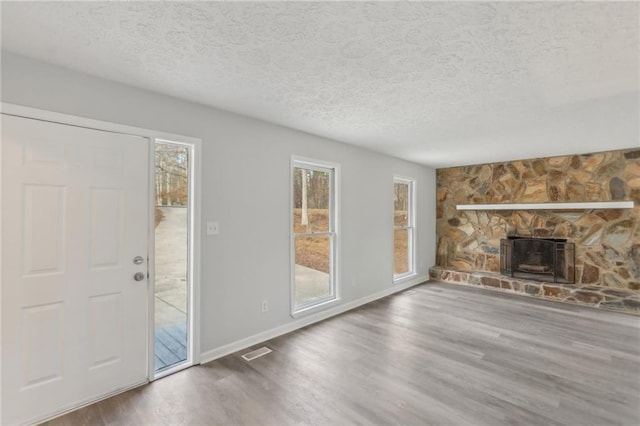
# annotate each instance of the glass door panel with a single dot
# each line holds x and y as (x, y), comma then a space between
(171, 337)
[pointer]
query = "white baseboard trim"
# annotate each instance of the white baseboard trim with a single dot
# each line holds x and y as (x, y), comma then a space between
(305, 321)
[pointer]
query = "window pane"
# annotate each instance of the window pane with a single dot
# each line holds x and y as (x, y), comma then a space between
(401, 251)
(401, 204)
(171, 255)
(311, 196)
(312, 279)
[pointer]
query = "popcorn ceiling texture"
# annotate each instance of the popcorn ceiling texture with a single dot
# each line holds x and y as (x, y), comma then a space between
(415, 80)
(607, 240)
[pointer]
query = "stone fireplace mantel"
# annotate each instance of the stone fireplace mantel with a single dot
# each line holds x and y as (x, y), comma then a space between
(549, 206)
(590, 200)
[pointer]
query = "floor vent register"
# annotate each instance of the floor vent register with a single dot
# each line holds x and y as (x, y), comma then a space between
(250, 356)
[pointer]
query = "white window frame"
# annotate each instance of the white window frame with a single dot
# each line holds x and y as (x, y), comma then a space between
(192, 236)
(334, 241)
(411, 228)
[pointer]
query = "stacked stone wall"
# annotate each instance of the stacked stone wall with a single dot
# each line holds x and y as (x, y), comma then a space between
(607, 240)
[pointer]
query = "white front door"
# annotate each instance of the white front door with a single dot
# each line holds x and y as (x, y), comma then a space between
(75, 216)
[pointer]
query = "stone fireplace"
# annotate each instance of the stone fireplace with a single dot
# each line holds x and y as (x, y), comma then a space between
(540, 259)
(606, 241)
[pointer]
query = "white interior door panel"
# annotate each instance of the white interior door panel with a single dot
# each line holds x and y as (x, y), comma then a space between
(75, 214)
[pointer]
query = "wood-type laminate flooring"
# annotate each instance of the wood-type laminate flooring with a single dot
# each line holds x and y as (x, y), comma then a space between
(439, 354)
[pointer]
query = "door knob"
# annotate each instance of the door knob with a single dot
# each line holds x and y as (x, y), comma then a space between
(139, 276)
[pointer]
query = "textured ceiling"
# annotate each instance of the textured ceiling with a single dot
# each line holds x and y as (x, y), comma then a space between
(417, 80)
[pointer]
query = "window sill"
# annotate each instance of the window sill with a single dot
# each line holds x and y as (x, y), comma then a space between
(403, 277)
(315, 308)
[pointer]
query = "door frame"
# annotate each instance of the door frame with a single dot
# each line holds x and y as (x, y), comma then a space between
(194, 244)
(192, 239)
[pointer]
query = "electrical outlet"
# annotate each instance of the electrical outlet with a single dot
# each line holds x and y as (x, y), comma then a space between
(265, 306)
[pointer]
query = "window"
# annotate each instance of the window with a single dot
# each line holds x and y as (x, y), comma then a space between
(313, 244)
(403, 228)
(173, 242)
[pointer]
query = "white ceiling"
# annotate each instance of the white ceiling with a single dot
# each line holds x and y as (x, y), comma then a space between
(433, 83)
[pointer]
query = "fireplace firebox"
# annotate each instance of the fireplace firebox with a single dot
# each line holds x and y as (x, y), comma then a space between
(541, 259)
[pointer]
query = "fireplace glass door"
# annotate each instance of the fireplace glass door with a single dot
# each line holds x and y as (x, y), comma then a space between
(541, 259)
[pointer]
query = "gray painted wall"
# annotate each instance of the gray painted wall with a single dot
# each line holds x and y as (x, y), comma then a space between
(249, 261)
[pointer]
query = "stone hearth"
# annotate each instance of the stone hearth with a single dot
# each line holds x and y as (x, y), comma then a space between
(596, 296)
(607, 241)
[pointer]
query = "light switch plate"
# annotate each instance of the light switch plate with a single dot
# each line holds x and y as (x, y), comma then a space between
(213, 228)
